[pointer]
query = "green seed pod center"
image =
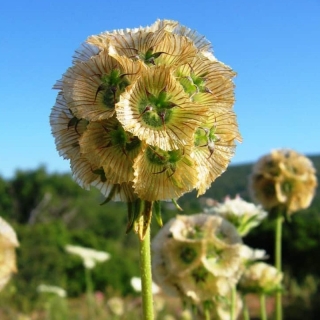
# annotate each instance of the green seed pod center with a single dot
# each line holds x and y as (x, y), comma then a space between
(133, 143)
(195, 233)
(112, 85)
(200, 274)
(160, 157)
(188, 255)
(122, 138)
(118, 136)
(193, 84)
(156, 110)
(205, 136)
(150, 56)
(287, 187)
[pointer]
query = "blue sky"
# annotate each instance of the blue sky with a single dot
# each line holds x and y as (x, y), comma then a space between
(273, 46)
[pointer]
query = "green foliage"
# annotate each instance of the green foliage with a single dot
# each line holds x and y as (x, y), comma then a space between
(49, 211)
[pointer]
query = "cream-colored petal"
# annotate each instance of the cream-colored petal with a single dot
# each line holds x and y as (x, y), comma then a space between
(87, 88)
(213, 152)
(8, 237)
(156, 181)
(201, 43)
(85, 52)
(136, 45)
(103, 39)
(223, 260)
(200, 285)
(167, 128)
(208, 82)
(88, 175)
(107, 145)
(8, 244)
(175, 50)
(66, 129)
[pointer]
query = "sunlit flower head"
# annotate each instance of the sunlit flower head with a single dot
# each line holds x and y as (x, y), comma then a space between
(260, 278)
(8, 244)
(146, 113)
(242, 214)
(283, 178)
(52, 289)
(90, 257)
(197, 257)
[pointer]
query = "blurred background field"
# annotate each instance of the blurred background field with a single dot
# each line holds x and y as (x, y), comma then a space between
(49, 211)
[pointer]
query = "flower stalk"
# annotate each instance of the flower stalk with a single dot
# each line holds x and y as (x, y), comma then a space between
(146, 276)
(207, 313)
(89, 291)
(245, 311)
(263, 311)
(233, 303)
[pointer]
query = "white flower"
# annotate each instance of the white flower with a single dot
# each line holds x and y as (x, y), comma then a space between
(52, 289)
(244, 215)
(136, 285)
(8, 243)
(261, 277)
(89, 256)
(250, 255)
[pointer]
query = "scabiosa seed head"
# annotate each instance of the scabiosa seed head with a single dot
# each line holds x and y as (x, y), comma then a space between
(146, 114)
(284, 178)
(197, 257)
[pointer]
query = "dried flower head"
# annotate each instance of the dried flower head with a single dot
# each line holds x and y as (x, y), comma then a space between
(89, 257)
(197, 257)
(8, 244)
(146, 113)
(283, 178)
(242, 214)
(260, 278)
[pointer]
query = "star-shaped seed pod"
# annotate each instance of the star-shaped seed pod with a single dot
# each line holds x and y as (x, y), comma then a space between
(197, 257)
(283, 179)
(146, 114)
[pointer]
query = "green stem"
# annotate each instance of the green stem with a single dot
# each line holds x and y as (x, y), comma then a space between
(278, 241)
(233, 303)
(245, 311)
(146, 277)
(207, 313)
(263, 311)
(89, 290)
